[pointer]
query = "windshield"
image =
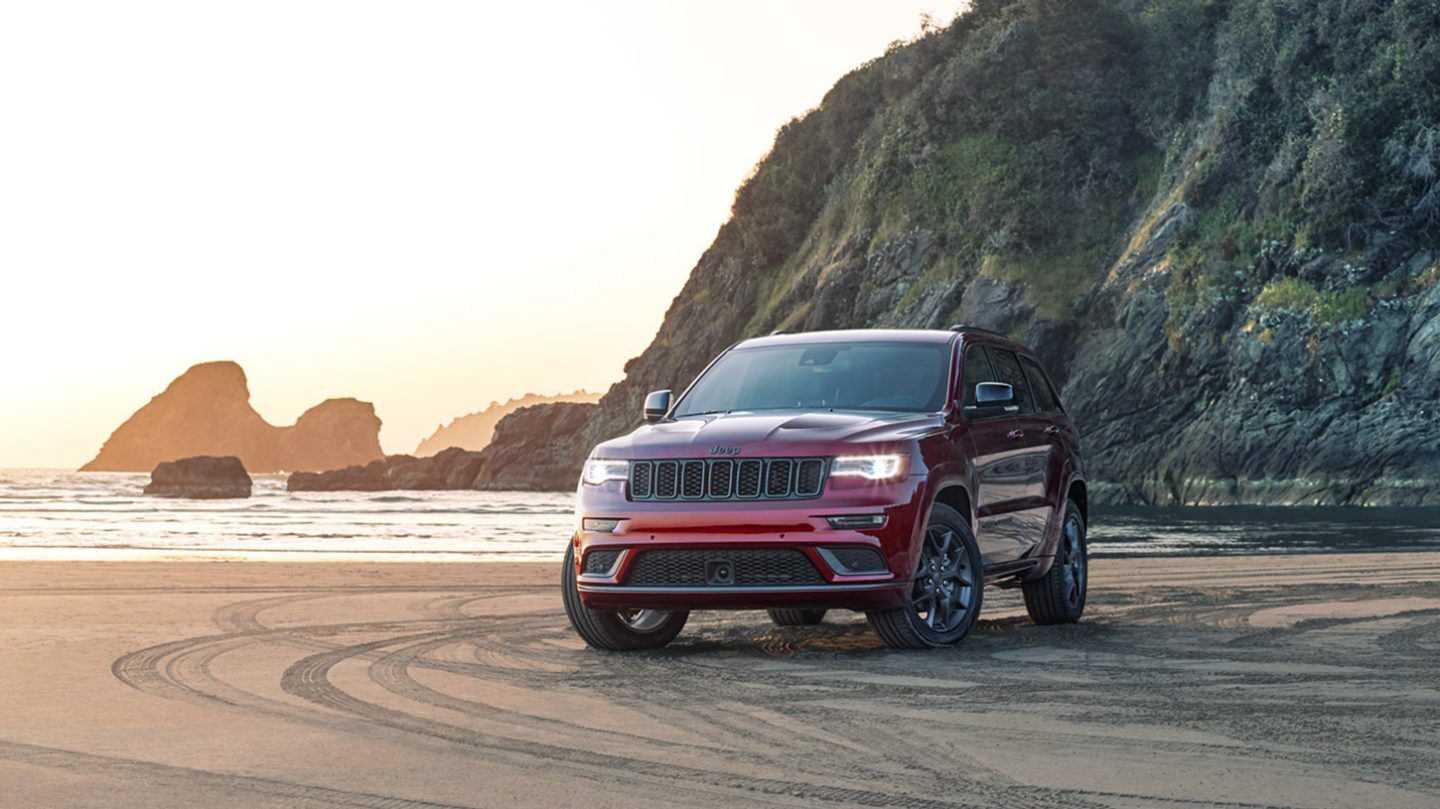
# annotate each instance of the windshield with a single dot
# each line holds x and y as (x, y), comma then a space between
(890, 376)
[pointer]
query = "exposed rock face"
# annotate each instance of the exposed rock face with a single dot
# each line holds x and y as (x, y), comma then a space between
(543, 449)
(473, 431)
(203, 477)
(206, 411)
(454, 468)
(1231, 272)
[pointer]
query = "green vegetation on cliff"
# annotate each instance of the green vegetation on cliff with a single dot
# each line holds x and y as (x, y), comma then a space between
(1028, 134)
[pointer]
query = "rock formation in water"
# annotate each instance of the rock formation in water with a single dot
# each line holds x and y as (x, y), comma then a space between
(203, 477)
(1217, 221)
(543, 449)
(206, 411)
(453, 468)
(473, 431)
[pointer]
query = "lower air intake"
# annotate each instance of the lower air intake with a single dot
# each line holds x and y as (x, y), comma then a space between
(600, 561)
(752, 568)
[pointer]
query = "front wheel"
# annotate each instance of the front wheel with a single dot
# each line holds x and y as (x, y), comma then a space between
(947, 590)
(619, 631)
(1058, 597)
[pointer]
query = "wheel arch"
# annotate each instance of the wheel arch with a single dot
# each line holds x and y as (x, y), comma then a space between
(1080, 495)
(956, 496)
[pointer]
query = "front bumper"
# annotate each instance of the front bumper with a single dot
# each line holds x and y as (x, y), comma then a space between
(789, 525)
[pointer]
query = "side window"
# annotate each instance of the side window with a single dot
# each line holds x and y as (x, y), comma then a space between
(1045, 398)
(1007, 367)
(977, 369)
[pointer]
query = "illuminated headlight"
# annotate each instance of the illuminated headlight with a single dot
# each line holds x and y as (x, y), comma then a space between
(599, 471)
(870, 467)
(599, 524)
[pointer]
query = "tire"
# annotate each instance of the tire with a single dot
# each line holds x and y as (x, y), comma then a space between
(620, 631)
(1058, 597)
(948, 589)
(796, 617)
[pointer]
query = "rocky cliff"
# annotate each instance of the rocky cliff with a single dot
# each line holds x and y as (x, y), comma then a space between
(473, 431)
(1216, 220)
(206, 411)
(543, 448)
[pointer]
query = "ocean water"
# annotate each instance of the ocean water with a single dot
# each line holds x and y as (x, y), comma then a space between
(51, 514)
(103, 515)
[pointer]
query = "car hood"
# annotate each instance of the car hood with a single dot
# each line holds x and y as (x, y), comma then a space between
(771, 433)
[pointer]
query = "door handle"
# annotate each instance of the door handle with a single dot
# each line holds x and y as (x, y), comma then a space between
(1051, 430)
(1013, 434)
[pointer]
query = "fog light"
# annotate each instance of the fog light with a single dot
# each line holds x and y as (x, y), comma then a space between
(856, 520)
(599, 524)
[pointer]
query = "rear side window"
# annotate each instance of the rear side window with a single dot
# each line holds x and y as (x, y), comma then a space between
(1007, 368)
(1045, 399)
(977, 370)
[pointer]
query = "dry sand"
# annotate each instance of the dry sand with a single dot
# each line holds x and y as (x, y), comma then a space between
(1292, 681)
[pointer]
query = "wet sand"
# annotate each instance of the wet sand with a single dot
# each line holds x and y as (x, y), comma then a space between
(1285, 681)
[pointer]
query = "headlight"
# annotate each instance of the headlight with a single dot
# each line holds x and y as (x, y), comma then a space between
(870, 467)
(597, 472)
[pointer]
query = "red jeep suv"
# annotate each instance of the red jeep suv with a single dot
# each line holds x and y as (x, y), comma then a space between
(893, 472)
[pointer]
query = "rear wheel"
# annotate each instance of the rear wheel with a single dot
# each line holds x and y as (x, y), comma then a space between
(622, 630)
(797, 617)
(947, 591)
(1058, 597)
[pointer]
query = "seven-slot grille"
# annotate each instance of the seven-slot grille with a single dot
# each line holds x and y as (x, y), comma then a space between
(752, 568)
(727, 479)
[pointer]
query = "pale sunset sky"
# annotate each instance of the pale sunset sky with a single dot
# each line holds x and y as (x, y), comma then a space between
(427, 206)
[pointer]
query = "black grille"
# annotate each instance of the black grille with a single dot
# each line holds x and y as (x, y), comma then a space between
(752, 568)
(747, 478)
(808, 477)
(693, 476)
(722, 477)
(642, 480)
(601, 561)
(858, 560)
(665, 474)
(726, 479)
(778, 477)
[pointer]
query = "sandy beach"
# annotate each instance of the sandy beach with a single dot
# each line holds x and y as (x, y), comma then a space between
(1307, 681)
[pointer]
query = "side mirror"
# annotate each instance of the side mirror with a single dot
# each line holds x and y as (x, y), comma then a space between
(657, 404)
(992, 399)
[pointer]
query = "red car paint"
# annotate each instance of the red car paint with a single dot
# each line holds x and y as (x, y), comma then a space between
(1009, 475)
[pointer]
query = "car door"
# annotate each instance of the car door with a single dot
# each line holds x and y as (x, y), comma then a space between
(1028, 453)
(1001, 474)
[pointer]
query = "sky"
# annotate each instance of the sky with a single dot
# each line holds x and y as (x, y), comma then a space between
(428, 206)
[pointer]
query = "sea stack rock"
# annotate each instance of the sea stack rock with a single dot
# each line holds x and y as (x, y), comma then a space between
(203, 477)
(332, 434)
(206, 411)
(454, 468)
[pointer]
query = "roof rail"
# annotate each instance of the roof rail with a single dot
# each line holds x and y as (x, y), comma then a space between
(777, 331)
(961, 327)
